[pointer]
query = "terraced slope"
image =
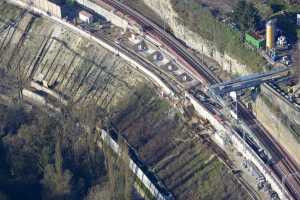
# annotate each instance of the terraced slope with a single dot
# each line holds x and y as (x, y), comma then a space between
(180, 154)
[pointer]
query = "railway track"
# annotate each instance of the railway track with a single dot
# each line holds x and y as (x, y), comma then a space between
(189, 61)
(284, 165)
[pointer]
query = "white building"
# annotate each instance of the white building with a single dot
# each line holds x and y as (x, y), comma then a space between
(86, 16)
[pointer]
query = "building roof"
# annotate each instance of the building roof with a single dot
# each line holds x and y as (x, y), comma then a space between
(256, 35)
(85, 13)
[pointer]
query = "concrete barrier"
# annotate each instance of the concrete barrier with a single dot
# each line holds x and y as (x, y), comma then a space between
(35, 97)
(38, 99)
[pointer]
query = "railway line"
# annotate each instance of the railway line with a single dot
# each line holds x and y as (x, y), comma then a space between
(283, 164)
(171, 43)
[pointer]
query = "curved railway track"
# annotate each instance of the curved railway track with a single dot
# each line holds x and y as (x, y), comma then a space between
(284, 165)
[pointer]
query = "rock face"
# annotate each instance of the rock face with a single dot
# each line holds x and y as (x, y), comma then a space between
(281, 120)
(165, 10)
(279, 131)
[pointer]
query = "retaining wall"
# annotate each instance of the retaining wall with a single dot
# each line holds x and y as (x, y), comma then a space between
(140, 174)
(134, 167)
(283, 104)
(119, 21)
(48, 91)
(202, 111)
(116, 49)
(238, 143)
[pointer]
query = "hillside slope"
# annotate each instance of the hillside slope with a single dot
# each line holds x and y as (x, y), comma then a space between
(85, 73)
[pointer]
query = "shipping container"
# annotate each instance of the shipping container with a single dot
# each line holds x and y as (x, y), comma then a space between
(254, 40)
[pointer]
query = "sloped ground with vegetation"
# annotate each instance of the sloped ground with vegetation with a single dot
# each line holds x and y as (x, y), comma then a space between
(206, 18)
(51, 156)
(181, 155)
(200, 19)
(226, 38)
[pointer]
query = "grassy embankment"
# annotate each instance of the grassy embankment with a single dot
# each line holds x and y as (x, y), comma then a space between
(227, 40)
(187, 165)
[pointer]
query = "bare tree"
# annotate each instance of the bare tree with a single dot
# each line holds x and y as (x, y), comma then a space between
(56, 181)
(125, 171)
(98, 192)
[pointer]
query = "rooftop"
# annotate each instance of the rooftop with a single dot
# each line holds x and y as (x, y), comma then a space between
(85, 13)
(256, 35)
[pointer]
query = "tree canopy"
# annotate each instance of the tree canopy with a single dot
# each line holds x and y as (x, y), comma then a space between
(246, 16)
(55, 157)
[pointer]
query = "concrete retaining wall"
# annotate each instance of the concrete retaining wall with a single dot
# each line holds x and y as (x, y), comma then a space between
(114, 49)
(202, 111)
(48, 91)
(283, 104)
(38, 99)
(238, 143)
(119, 21)
(134, 168)
(140, 174)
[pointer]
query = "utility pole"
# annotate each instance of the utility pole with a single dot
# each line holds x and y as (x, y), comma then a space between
(298, 68)
(164, 17)
(234, 96)
(183, 21)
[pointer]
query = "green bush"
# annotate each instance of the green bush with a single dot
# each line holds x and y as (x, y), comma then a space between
(246, 16)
